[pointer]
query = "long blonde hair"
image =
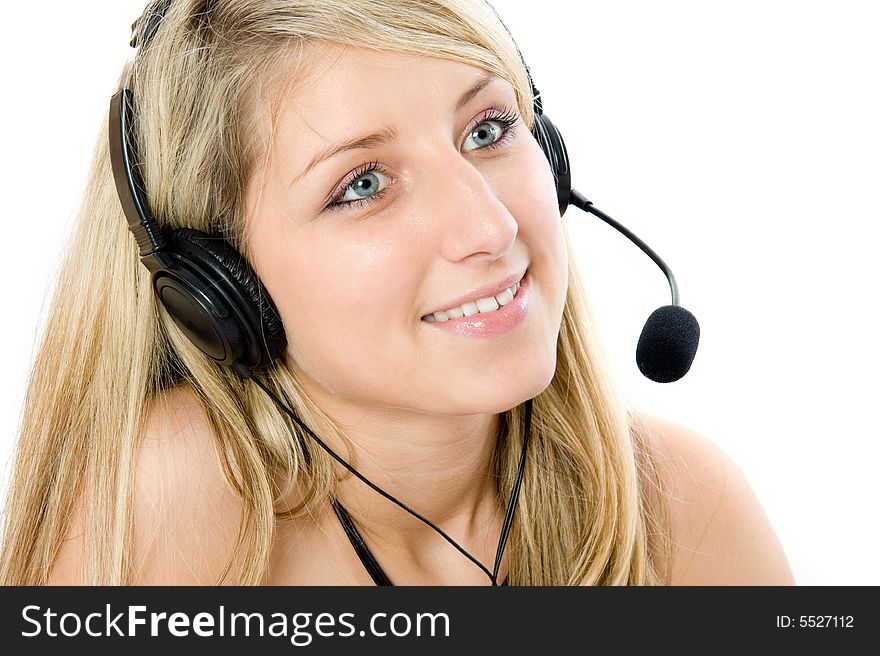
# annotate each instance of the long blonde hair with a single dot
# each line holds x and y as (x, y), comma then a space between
(583, 517)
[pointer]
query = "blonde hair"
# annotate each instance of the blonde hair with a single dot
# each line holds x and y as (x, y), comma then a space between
(583, 517)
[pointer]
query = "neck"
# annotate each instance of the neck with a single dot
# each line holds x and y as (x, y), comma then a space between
(437, 465)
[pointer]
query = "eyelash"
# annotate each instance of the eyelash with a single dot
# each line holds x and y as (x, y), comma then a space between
(507, 118)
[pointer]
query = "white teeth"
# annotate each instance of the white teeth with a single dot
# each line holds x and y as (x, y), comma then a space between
(489, 304)
(504, 297)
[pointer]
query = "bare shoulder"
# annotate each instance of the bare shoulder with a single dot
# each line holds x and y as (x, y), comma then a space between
(185, 516)
(719, 531)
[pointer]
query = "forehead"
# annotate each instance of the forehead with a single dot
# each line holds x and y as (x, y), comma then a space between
(340, 87)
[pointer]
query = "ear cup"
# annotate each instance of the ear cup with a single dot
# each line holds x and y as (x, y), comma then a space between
(215, 297)
(550, 140)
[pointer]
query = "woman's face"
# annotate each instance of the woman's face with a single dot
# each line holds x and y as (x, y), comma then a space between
(433, 199)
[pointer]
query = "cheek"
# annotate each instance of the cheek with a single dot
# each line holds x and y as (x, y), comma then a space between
(530, 194)
(529, 190)
(341, 298)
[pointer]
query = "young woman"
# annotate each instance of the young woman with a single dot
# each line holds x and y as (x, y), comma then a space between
(374, 164)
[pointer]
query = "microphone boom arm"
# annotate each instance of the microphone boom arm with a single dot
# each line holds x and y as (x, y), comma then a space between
(578, 200)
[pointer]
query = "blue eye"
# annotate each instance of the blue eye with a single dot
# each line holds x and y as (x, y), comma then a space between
(363, 185)
(485, 130)
(489, 132)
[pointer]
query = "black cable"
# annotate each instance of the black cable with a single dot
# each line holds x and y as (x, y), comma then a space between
(511, 508)
(247, 374)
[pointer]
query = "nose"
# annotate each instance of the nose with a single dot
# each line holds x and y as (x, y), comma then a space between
(468, 218)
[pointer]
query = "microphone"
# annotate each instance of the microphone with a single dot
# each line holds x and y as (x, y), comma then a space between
(669, 340)
(668, 344)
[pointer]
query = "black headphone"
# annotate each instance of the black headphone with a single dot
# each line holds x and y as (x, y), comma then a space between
(215, 297)
(207, 287)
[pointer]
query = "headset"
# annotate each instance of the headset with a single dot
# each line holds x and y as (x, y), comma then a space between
(217, 300)
(214, 296)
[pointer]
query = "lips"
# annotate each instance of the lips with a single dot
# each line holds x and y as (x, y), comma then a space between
(495, 324)
(481, 292)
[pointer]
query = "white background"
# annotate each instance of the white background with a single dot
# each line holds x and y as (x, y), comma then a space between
(739, 140)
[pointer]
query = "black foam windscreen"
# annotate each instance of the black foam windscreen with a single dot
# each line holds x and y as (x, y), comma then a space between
(668, 344)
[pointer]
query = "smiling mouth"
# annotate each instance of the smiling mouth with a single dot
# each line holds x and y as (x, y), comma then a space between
(485, 305)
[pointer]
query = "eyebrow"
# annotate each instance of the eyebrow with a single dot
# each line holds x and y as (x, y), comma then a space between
(388, 134)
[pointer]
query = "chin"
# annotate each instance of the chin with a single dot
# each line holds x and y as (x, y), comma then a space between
(494, 394)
